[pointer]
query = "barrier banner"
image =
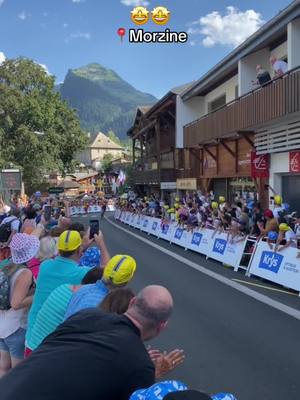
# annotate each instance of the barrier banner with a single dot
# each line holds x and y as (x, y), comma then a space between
(138, 222)
(123, 217)
(132, 219)
(282, 268)
(179, 236)
(73, 210)
(145, 225)
(166, 231)
(82, 210)
(127, 219)
(111, 207)
(223, 250)
(154, 228)
(117, 214)
(199, 241)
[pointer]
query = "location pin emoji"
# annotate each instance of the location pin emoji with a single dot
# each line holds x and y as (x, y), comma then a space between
(121, 32)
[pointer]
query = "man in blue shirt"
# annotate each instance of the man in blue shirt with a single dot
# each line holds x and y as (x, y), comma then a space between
(118, 273)
(55, 272)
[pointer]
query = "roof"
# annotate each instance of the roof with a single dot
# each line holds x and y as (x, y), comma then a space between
(69, 185)
(83, 175)
(177, 91)
(271, 30)
(100, 140)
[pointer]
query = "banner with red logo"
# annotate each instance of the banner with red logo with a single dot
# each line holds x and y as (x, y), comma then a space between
(260, 165)
(294, 161)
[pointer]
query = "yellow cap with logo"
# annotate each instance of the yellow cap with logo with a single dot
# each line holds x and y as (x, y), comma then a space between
(69, 241)
(119, 270)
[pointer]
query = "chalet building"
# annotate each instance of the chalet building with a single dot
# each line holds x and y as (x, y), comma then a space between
(157, 157)
(247, 136)
(99, 146)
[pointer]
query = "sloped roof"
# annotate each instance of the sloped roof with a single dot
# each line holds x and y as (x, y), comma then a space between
(104, 142)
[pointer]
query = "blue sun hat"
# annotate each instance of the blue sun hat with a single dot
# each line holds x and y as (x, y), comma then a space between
(272, 235)
(158, 391)
(91, 258)
(224, 396)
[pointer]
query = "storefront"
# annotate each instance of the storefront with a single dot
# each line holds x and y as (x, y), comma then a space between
(186, 186)
(168, 191)
(285, 177)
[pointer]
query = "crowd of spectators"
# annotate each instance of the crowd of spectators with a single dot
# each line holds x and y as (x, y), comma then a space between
(70, 327)
(280, 227)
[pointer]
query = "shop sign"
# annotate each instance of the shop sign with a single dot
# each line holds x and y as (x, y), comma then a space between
(168, 185)
(260, 165)
(294, 161)
(187, 184)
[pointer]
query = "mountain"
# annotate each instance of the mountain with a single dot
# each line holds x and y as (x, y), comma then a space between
(104, 101)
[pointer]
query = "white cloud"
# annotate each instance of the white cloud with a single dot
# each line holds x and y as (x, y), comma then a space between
(1, 2)
(23, 15)
(78, 1)
(2, 57)
(232, 29)
(45, 14)
(78, 35)
(65, 25)
(135, 3)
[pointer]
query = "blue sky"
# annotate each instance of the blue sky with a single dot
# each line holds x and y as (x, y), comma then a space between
(64, 34)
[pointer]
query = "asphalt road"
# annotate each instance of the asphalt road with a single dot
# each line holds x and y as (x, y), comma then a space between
(232, 342)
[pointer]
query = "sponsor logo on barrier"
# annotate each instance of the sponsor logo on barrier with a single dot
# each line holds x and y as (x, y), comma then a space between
(145, 224)
(196, 239)
(165, 229)
(128, 217)
(220, 246)
(270, 261)
(178, 233)
(139, 221)
(154, 226)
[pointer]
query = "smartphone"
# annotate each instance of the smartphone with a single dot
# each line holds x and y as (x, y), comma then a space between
(47, 213)
(94, 228)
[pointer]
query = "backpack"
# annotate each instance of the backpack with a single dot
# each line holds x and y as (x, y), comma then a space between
(5, 284)
(5, 231)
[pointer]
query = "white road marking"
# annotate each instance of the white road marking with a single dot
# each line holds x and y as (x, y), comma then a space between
(292, 312)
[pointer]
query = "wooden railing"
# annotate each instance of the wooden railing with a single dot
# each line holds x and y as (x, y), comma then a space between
(278, 98)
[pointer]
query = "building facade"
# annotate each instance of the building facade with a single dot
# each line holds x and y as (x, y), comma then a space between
(99, 146)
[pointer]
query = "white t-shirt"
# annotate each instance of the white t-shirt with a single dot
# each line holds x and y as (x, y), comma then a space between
(276, 211)
(280, 65)
(15, 223)
(290, 235)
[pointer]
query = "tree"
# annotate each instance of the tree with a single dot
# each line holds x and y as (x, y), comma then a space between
(112, 136)
(38, 131)
(106, 163)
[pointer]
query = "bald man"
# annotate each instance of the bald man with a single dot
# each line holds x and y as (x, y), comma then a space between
(94, 355)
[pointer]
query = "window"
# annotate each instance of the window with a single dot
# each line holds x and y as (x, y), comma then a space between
(236, 91)
(217, 103)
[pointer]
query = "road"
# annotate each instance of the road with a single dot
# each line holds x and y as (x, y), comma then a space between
(232, 342)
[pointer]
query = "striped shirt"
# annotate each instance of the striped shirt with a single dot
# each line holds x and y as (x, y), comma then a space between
(88, 296)
(50, 315)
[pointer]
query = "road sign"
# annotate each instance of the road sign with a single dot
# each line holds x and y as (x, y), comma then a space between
(56, 190)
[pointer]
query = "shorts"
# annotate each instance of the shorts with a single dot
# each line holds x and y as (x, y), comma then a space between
(14, 344)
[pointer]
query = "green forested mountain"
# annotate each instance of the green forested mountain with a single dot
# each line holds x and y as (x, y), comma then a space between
(104, 101)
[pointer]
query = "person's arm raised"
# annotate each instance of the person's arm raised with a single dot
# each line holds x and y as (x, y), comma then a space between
(105, 256)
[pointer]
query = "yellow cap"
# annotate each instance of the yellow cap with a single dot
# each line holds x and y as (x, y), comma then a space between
(284, 227)
(177, 199)
(278, 200)
(214, 205)
(119, 270)
(69, 241)
(222, 199)
(177, 205)
(171, 210)
(166, 207)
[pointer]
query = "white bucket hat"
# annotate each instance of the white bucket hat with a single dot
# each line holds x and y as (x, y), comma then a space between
(23, 247)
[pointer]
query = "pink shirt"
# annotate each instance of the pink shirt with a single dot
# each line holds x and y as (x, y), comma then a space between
(34, 266)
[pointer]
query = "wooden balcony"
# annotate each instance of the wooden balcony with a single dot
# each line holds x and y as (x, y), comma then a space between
(273, 101)
(152, 177)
